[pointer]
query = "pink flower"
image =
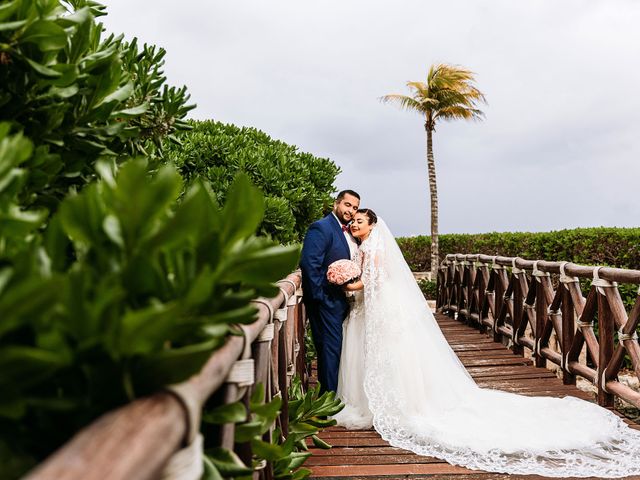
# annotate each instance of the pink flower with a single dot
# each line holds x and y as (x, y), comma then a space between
(343, 271)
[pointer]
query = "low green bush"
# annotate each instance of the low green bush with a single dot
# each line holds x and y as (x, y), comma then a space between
(117, 277)
(308, 412)
(429, 289)
(297, 186)
(619, 247)
(129, 289)
(79, 95)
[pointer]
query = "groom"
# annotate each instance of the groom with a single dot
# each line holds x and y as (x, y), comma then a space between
(328, 240)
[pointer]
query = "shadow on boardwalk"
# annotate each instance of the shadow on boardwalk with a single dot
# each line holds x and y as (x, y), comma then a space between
(364, 455)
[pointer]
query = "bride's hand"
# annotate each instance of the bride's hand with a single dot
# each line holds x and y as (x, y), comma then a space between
(352, 287)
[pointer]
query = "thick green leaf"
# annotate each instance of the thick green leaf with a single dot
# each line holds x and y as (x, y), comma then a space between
(83, 15)
(210, 471)
(64, 92)
(23, 302)
(42, 69)
(6, 26)
(300, 427)
(170, 366)
(118, 96)
(301, 473)
(243, 210)
(269, 451)
(268, 410)
(248, 431)
(68, 75)
(227, 462)
(257, 266)
(229, 413)
(145, 330)
(137, 208)
(318, 442)
(82, 216)
(16, 222)
(46, 34)
(298, 458)
(317, 422)
(201, 288)
(21, 366)
(196, 215)
(7, 9)
(132, 111)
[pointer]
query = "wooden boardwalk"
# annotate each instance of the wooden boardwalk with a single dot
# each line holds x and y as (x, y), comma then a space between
(364, 455)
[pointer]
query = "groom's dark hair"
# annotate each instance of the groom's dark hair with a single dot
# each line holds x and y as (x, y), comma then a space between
(347, 192)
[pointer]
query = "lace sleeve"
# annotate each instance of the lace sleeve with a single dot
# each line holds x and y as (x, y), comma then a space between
(373, 271)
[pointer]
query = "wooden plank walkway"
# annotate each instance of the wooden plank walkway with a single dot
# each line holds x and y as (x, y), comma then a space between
(364, 455)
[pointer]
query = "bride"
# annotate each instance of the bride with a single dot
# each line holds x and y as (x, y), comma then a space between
(399, 375)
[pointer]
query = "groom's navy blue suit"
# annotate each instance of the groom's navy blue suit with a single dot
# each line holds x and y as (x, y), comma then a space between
(326, 304)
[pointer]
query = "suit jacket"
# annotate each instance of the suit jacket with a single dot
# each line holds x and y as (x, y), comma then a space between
(323, 244)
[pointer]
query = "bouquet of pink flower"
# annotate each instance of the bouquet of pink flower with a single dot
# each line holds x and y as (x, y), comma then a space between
(341, 272)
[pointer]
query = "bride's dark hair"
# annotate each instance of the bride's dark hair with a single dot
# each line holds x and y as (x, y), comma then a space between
(371, 215)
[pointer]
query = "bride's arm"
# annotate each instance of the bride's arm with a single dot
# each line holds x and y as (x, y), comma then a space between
(352, 287)
(357, 285)
(372, 271)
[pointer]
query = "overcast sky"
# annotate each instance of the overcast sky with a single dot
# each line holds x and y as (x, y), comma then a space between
(559, 147)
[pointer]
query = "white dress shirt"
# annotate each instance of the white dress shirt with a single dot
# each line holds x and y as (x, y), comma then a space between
(353, 246)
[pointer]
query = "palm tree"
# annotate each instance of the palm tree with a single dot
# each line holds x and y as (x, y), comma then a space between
(448, 94)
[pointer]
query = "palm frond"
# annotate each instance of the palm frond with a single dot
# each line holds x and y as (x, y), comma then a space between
(459, 113)
(448, 93)
(404, 101)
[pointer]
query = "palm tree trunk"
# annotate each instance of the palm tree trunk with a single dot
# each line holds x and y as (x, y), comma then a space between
(433, 191)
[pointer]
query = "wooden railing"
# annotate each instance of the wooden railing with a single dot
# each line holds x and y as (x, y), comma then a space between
(507, 295)
(138, 440)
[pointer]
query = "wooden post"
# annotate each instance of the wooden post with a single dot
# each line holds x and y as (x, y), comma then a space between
(282, 378)
(568, 329)
(518, 302)
(541, 319)
(498, 304)
(606, 326)
(450, 289)
(482, 281)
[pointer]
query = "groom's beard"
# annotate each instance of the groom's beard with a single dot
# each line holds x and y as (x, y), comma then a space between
(340, 216)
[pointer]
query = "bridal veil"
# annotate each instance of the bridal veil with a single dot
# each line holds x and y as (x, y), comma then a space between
(423, 399)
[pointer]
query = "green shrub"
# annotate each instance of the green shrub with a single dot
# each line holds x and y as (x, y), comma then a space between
(110, 288)
(618, 247)
(307, 418)
(150, 289)
(297, 186)
(77, 95)
(116, 278)
(429, 289)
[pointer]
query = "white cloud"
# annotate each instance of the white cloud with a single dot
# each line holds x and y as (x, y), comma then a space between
(559, 144)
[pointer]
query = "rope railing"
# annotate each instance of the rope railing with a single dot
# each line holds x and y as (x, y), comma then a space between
(149, 437)
(508, 296)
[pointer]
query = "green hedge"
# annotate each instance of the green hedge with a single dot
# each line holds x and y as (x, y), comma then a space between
(619, 247)
(429, 289)
(297, 186)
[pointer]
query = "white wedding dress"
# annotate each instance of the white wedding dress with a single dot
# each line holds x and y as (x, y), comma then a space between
(399, 374)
